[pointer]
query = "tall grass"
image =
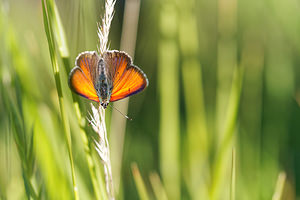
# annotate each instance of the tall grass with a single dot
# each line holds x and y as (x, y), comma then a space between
(169, 131)
(23, 137)
(219, 120)
(118, 122)
(48, 14)
(140, 185)
(197, 140)
(64, 54)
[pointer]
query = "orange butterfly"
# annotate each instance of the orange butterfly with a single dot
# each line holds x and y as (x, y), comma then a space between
(106, 79)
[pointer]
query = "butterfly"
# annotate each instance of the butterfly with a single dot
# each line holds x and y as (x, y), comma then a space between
(107, 78)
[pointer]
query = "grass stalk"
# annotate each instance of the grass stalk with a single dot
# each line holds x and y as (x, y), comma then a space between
(196, 123)
(98, 115)
(168, 85)
(103, 29)
(227, 59)
(118, 122)
(230, 126)
(102, 146)
(11, 95)
(225, 101)
(56, 182)
(232, 183)
(64, 54)
(249, 139)
(20, 135)
(157, 186)
(279, 186)
(48, 17)
(140, 185)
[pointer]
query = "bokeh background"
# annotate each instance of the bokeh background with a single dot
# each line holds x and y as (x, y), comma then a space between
(219, 120)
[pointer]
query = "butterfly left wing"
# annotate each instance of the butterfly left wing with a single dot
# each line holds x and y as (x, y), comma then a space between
(80, 84)
(88, 62)
(126, 79)
(82, 76)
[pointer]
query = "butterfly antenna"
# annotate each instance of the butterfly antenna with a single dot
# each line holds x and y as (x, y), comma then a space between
(120, 112)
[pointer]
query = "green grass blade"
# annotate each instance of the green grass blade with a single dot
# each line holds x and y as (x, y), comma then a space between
(118, 122)
(168, 85)
(18, 131)
(59, 32)
(63, 50)
(11, 94)
(48, 16)
(227, 67)
(232, 183)
(158, 187)
(197, 140)
(28, 187)
(140, 185)
(56, 184)
(30, 153)
(223, 151)
(279, 186)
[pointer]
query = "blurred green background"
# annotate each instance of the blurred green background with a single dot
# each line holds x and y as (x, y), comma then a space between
(219, 120)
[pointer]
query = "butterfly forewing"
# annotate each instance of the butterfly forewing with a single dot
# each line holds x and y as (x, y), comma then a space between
(116, 63)
(133, 81)
(82, 77)
(126, 78)
(88, 62)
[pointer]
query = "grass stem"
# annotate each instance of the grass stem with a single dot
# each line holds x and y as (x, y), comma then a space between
(232, 183)
(48, 14)
(279, 186)
(139, 182)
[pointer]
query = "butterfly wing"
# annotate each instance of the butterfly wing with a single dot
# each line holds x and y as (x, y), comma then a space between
(82, 76)
(88, 62)
(132, 81)
(126, 79)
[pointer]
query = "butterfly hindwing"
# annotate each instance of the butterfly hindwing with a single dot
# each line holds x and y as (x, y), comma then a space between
(126, 78)
(82, 76)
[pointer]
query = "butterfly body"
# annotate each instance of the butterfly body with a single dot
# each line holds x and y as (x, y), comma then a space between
(106, 78)
(102, 85)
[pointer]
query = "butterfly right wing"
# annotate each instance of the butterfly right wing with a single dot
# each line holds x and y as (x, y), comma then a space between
(117, 63)
(126, 79)
(82, 76)
(133, 81)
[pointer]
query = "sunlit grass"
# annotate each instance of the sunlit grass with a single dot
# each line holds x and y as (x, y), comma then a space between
(48, 14)
(223, 122)
(140, 185)
(63, 50)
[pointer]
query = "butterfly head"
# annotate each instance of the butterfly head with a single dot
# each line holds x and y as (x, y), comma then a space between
(104, 104)
(103, 94)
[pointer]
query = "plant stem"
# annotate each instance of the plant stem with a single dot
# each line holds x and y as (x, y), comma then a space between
(118, 122)
(107, 163)
(232, 183)
(48, 16)
(102, 146)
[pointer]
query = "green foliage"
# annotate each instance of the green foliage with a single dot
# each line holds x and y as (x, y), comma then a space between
(140, 185)
(219, 120)
(49, 21)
